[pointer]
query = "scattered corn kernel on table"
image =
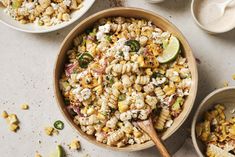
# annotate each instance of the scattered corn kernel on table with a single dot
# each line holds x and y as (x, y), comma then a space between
(27, 63)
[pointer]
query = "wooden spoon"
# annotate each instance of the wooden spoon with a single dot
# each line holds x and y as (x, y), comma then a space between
(147, 126)
(2, 5)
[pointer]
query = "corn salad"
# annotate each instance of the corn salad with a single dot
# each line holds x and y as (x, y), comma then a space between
(217, 132)
(41, 12)
(112, 78)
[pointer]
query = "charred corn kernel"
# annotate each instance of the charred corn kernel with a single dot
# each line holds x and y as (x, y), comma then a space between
(90, 111)
(12, 119)
(23, 21)
(75, 145)
(162, 71)
(233, 76)
(49, 131)
(168, 90)
(219, 106)
(140, 61)
(137, 133)
(128, 135)
(99, 80)
(84, 110)
(100, 116)
(176, 79)
(148, 72)
(232, 129)
(55, 132)
(40, 23)
(98, 89)
(122, 62)
(204, 136)
(24, 106)
(225, 84)
(137, 87)
(59, 16)
(118, 85)
(222, 116)
(134, 58)
(13, 127)
(120, 124)
(65, 17)
(105, 129)
(37, 155)
(4, 114)
(122, 106)
(232, 120)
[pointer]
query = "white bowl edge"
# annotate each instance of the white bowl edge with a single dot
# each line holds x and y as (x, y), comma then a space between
(193, 127)
(203, 27)
(33, 28)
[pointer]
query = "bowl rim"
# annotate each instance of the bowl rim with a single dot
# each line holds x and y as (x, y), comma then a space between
(195, 118)
(149, 143)
(203, 27)
(50, 28)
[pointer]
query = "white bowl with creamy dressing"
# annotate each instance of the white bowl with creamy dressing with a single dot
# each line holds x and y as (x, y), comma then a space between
(34, 28)
(204, 15)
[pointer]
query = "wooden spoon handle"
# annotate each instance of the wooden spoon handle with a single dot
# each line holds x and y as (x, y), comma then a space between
(147, 126)
(159, 145)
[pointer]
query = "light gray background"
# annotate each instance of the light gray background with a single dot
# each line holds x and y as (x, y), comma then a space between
(26, 68)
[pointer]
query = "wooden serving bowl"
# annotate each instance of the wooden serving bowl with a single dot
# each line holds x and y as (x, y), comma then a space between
(137, 13)
(225, 96)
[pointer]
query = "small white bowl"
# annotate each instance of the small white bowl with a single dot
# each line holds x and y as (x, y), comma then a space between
(194, 5)
(224, 96)
(33, 28)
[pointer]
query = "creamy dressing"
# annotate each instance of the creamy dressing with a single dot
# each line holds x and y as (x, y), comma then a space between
(210, 16)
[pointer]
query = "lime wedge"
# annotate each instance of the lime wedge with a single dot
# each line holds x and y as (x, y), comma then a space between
(171, 51)
(164, 43)
(58, 153)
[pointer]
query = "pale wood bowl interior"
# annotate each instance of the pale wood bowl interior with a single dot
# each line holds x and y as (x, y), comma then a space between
(137, 13)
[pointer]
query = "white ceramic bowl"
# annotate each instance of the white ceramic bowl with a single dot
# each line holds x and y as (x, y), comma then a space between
(194, 10)
(33, 28)
(224, 96)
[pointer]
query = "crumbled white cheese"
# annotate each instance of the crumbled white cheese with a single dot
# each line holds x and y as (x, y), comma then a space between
(125, 116)
(77, 90)
(165, 35)
(156, 35)
(139, 101)
(29, 5)
(81, 75)
(67, 2)
(175, 73)
(54, 6)
(186, 82)
(143, 114)
(184, 72)
(86, 93)
(126, 50)
(105, 28)
(131, 141)
(102, 30)
(169, 123)
(99, 35)
(150, 23)
(119, 44)
(22, 11)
